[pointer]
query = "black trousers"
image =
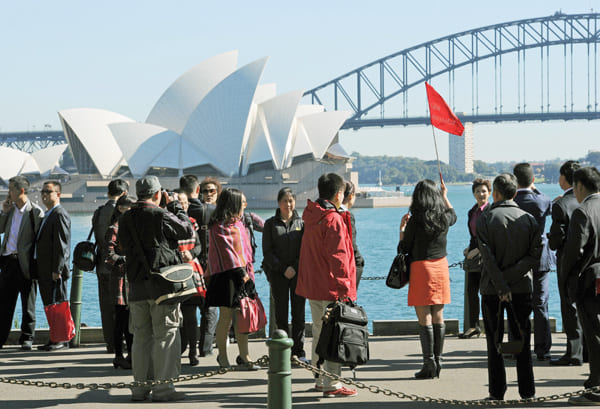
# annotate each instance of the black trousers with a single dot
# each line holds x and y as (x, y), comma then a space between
(571, 325)
(121, 330)
(13, 284)
(189, 330)
(588, 309)
(284, 293)
(472, 298)
(106, 299)
(522, 306)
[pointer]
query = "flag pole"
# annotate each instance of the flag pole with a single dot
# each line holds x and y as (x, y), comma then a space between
(437, 155)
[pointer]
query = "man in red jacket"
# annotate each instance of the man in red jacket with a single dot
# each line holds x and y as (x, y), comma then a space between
(326, 271)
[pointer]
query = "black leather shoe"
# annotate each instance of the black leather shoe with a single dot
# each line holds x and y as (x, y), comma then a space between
(27, 345)
(544, 357)
(54, 346)
(565, 361)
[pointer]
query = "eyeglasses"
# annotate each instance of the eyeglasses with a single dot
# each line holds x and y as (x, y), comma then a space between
(207, 191)
(47, 192)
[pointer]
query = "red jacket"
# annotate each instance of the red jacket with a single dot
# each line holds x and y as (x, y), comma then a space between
(326, 270)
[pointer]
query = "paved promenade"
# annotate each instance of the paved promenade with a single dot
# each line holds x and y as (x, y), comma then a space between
(393, 362)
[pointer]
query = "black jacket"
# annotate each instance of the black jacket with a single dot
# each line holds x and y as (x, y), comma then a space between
(422, 246)
(581, 258)
(358, 258)
(510, 245)
(158, 231)
(281, 244)
(562, 210)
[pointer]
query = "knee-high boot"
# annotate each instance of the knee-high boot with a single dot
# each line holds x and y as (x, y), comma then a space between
(439, 332)
(428, 370)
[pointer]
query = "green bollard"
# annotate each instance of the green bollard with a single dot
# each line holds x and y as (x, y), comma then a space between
(280, 371)
(76, 287)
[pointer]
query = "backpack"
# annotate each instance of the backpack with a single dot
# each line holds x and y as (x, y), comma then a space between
(344, 336)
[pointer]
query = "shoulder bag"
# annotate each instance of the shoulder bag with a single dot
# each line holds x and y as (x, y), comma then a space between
(84, 254)
(171, 284)
(399, 274)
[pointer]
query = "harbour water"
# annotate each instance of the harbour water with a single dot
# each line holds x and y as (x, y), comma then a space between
(378, 231)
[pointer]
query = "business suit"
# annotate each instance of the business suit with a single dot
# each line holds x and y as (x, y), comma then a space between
(100, 222)
(539, 206)
(562, 210)
(53, 244)
(16, 276)
(581, 264)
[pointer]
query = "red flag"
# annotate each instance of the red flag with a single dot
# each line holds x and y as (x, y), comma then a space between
(442, 116)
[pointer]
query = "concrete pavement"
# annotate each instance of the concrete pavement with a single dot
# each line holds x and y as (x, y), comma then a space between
(393, 361)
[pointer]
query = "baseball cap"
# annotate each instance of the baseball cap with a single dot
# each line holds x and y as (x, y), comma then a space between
(147, 185)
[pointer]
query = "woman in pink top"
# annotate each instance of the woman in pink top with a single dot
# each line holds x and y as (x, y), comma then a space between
(230, 270)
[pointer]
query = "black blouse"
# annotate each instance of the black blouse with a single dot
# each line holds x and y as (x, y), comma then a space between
(422, 246)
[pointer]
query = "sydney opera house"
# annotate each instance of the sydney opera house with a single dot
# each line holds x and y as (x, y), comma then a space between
(216, 119)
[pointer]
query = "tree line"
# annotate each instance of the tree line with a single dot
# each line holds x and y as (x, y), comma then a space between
(399, 170)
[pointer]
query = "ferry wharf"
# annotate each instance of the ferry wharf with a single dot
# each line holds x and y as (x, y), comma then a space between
(393, 361)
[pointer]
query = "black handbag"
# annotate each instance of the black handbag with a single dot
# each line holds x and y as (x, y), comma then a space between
(516, 345)
(344, 336)
(399, 274)
(84, 254)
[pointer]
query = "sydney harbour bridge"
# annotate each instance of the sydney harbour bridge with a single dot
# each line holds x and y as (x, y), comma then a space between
(536, 69)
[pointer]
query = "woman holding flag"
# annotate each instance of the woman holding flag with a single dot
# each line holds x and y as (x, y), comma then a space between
(423, 234)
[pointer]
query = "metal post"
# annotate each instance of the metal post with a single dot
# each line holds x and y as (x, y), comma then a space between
(280, 371)
(76, 287)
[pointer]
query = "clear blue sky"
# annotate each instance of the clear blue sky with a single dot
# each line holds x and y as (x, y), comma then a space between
(121, 56)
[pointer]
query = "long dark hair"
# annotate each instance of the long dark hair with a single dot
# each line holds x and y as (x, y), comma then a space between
(229, 206)
(428, 208)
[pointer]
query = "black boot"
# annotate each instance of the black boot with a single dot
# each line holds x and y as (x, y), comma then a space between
(439, 332)
(428, 371)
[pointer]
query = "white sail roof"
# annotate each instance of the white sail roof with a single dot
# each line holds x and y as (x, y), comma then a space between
(174, 107)
(14, 162)
(48, 158)
(90, 126)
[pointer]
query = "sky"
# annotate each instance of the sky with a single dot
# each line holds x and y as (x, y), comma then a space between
(122, 55)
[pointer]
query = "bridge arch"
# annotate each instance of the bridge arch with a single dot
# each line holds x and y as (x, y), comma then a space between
(372, 85)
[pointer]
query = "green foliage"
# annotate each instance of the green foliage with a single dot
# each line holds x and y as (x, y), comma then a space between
(398, 170)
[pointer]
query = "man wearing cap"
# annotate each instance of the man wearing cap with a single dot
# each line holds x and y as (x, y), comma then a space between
(156, 340)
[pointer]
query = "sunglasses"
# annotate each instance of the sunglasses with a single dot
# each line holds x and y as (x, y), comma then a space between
(47, 192)
(211, 191)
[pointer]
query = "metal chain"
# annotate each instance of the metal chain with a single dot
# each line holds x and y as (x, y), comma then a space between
(262, 361)
(418, 398)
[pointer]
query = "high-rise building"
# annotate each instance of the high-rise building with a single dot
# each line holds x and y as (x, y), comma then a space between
(461, 150)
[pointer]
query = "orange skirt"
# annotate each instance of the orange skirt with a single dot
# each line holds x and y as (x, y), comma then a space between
(429, 282)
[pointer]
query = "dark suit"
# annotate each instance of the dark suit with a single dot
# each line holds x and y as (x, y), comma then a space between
(539, 206)
(16, 276)
(208, 320)
(100, 222)
(581, 264)
(52, 248)
(510, 247)
(562, 210)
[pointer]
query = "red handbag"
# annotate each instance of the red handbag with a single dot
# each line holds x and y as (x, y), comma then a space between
(60, 321)
(251, 316)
